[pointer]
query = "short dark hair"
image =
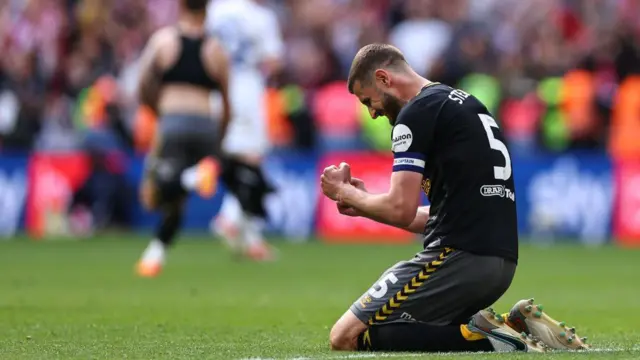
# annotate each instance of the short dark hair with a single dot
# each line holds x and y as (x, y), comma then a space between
(195, 5)
(371, 57)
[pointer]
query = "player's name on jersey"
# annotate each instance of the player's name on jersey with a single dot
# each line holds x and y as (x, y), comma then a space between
(458, 96)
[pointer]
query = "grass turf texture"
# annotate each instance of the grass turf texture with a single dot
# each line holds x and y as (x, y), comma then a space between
(81, 300)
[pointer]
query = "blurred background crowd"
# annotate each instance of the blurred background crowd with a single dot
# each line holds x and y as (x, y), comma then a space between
(561, 76)
(558, 74)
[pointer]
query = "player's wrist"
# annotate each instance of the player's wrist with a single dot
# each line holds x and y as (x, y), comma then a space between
(343, 194)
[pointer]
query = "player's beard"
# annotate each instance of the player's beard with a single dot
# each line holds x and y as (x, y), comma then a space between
(392, 106)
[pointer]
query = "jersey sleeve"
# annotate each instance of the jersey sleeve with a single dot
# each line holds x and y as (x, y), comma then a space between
(271, 44)
(411, 137)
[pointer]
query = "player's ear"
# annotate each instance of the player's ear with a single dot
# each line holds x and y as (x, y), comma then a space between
(382, 77)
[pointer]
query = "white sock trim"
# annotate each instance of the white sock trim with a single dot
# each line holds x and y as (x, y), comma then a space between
(231, 211)
(253, 228)
(189, 178)
(155, 252)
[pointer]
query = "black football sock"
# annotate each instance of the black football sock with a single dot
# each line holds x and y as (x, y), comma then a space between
(171, 219)
(420, 337)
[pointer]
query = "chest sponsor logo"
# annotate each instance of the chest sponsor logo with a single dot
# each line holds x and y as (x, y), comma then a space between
(401, 138)
(497, 190)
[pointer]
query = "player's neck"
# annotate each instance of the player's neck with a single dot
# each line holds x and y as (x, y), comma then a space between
(191, 23)
(413, 87)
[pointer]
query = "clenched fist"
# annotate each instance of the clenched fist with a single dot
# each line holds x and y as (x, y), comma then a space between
(346, 209)
(333, 178)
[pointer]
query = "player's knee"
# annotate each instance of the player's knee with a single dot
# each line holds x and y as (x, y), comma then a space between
(344, 334)
(341, 339)
(162, 185)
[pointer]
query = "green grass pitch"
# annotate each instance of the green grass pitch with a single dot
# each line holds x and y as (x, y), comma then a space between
(81, 300)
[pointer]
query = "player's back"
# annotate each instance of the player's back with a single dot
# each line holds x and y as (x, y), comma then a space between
(250, 34)
(248, 30)
(467, 172)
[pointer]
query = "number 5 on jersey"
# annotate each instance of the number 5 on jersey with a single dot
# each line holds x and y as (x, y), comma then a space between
(382, 291)
(499, 172)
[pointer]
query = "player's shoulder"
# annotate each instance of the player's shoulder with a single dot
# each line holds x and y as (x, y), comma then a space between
(250, 16)
(245, 7)
(440, 101)
(165, 36)
(221, 9)
(430, 95)
(429, 98)
(263, 16)
(266, 12)
(164, 33)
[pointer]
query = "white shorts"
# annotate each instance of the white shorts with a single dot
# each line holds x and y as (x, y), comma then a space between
(247, 132)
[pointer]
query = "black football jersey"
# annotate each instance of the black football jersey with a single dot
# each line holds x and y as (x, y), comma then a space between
(449, 137)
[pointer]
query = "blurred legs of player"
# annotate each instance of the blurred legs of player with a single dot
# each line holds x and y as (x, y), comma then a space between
(180, 163)
(227, 224)
(241, 220)
(169, 201)
(242, 215)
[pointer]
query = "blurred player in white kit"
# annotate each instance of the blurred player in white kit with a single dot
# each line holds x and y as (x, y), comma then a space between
(251, 35)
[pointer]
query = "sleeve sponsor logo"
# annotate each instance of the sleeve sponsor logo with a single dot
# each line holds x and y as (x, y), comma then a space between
(401, 138)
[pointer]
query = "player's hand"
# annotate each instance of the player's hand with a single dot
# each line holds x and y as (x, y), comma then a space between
(358, 184)
(333, 179)
(347, 210)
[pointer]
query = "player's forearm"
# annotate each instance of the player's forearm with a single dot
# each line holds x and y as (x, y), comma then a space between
(382, 208)
(416, 226)
(419, 222)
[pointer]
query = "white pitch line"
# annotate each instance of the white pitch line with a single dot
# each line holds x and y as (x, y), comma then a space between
(349, 356)
(376, 356)
(406, 355)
